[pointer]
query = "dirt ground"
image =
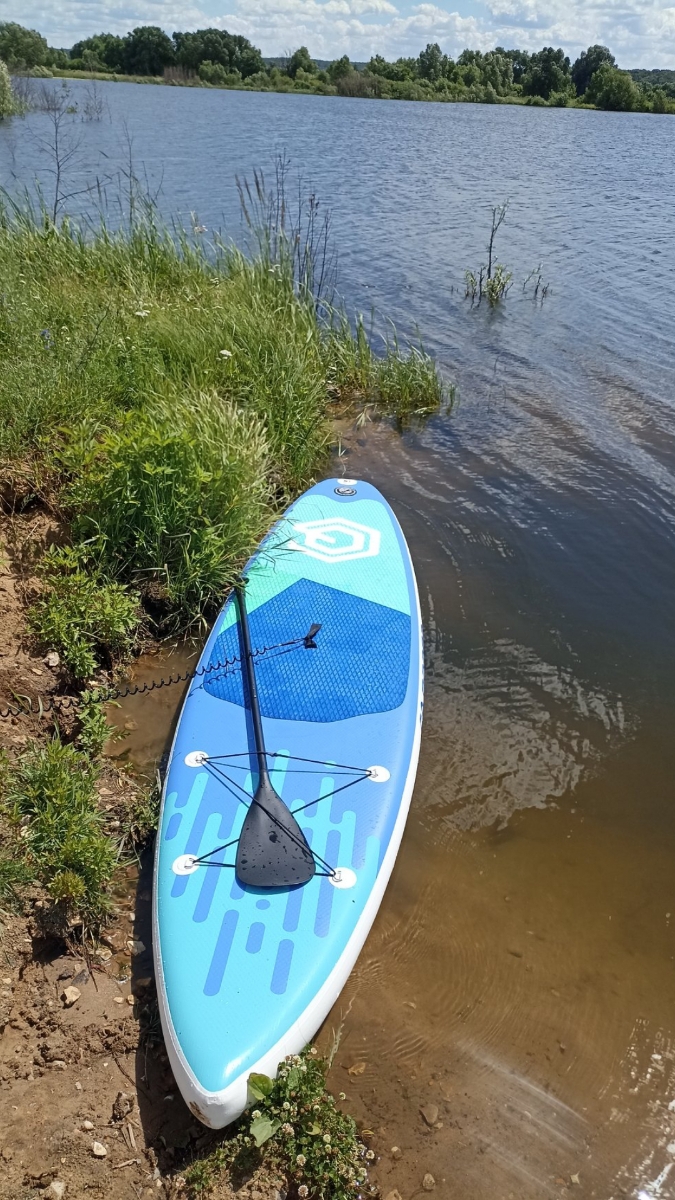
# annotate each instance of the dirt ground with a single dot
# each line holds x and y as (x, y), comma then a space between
(88, 1104)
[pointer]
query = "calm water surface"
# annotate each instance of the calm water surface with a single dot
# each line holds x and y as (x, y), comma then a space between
(520, 975)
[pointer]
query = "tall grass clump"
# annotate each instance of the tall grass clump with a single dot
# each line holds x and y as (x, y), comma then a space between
(50, 795)
(176, 493)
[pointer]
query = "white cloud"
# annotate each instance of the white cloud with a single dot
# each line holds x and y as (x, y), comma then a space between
(639, 32)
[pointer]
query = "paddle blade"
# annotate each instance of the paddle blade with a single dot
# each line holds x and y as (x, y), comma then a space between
(272, 850)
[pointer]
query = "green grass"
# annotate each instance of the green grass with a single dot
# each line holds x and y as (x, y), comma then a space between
(173, 399)
(50, 796)
(296, 1124)
(88, 619)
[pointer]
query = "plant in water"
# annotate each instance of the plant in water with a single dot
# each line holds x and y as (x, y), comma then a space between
(304, 1134)
(492, 278)
(51, 795)
(88, 619)
(95, 729)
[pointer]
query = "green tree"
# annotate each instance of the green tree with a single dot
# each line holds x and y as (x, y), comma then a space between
(106, 48)
(587, 64)
(613, 89)
(548, 71)
(231, 51)
(519, 59)
(8, 105)
(22, 48)
(433, 64)
(147, 51)
(301, 61)
(497, 73)
(340, 68)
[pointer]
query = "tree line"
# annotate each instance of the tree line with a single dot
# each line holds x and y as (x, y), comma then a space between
(214, 57)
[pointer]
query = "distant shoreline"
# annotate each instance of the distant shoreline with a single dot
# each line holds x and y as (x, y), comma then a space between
(201, 85)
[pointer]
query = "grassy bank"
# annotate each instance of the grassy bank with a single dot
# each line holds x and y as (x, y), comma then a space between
(165, 400)
(160, 402)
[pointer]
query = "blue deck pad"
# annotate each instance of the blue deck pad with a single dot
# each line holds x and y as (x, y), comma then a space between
(360, 664)
(241, 965)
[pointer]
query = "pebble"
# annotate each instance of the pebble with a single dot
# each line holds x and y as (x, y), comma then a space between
(70, 996)
(131, 999)
(396, 1152)
(78, 1086)
(430, 1113)
(58, 1064)
(7, 982)
(136, 946)
(118, 1000)
(428, 1183)
(87, 1124)
(52, 659)
(393, 1195)
(56, 1190)
(100, 1151)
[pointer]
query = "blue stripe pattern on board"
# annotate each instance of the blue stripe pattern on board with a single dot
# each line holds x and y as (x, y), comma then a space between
(221, 953)
(282, 967)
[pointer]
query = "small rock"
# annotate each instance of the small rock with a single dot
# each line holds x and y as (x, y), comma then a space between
(428, 1183)
(58, 1064)
(78, 1086)
(7, 981)
(99, 1151)
(396, 1152)
(103, 954)
(136, 946)
(70, 996)
(87, 1124)
(123, 1106)
(430, 1113)
(131, 999)
(56, 1190)
(118, 999)
(393, 1195)
(52, 660)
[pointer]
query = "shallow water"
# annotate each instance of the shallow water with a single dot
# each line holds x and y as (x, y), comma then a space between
(520, 974)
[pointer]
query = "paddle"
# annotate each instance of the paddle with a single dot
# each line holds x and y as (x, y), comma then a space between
(272, 850)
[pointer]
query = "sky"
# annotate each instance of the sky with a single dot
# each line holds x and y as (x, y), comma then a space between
(640, 33)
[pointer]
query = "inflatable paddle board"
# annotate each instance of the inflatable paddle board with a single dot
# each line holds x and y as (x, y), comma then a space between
(287, 791)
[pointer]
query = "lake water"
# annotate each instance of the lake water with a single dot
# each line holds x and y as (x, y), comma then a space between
(520, 976)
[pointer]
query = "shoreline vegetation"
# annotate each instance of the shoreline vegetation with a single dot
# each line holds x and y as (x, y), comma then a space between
(214, 58)
(162, 398)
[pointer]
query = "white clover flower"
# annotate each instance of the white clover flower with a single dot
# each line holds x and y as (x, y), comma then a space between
(303, 1190)
(301, 1160)
(313, 1050)
(225, 353)
(287, 1129)
(326, 1138)
(255, 1114)
(370, 1154)
(286, 1105)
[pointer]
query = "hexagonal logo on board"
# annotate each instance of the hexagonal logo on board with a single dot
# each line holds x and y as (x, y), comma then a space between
(335, 539)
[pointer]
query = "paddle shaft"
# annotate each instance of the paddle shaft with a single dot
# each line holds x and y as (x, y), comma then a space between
(258, 734)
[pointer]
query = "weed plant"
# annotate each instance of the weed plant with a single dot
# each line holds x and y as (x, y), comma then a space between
(50, 795)
(88, 619)
(305, 1135)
